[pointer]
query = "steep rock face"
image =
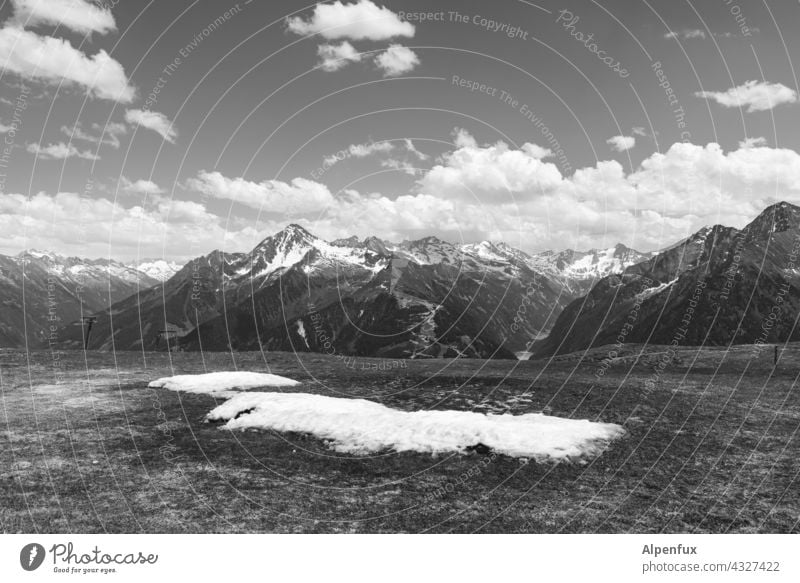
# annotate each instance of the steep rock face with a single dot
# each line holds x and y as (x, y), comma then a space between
(719, 286)
(41, 291)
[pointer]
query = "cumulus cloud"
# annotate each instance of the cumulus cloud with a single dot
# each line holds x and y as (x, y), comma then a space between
(494, 171)
(152, 120)
(509, 193)
(60, 151)
(4, 129)
(56, 61)
(759, 142)
(95, 227)
(755, 95)
(396, 60)
(334, 57)
(669, 196)
(270, 196)
(141, 186)
(621, 143)
(361, 20)
(78, 15)
(686, 34)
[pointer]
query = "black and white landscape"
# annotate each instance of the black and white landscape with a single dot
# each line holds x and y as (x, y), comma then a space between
(399, 267)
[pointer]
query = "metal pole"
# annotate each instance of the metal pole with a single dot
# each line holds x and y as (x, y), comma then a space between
(776, 355)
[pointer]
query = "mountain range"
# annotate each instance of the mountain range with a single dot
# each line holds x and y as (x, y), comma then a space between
(423, 298)
(295, 291)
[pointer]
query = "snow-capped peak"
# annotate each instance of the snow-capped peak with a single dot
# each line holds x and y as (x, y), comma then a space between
(588, 265)
(36, 254)
(294, 245)
(158, 269)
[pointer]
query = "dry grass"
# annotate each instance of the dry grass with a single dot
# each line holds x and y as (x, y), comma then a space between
(714, 447)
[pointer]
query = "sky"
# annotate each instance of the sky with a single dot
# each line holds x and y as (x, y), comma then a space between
(143, 129)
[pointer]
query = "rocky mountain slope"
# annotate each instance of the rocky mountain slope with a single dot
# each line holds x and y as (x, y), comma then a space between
(719, 286)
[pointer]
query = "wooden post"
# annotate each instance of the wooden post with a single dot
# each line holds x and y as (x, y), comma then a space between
(88, 320)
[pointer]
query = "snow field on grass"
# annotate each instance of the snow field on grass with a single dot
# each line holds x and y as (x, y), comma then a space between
(359, 426)
(221, 384)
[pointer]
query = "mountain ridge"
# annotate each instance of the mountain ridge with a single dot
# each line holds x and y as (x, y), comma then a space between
(719, 286)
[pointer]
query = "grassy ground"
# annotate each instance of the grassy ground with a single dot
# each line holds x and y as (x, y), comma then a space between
(712, 446)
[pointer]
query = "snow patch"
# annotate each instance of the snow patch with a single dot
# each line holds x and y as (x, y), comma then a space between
(650, 292)
(301, 329)
(221, 383)
(359, 426)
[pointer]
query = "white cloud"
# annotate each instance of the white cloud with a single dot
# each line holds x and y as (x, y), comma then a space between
(413, 150)
(270, 196)
(755, 95)
(109, 134)
(55, 61)
(364, 150)
(60, 151)
(4, 129)
(490, 191)
(686, 34)
(95, 227)
(406, 164)
(396, 60)
(499, 192)
(621, 143)
(358, 151)
(361, 20)
(334, 57)
(639, 131)
(78, 15)
(493, 172)
(759, 142)
(152, 120)
(141, 186)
